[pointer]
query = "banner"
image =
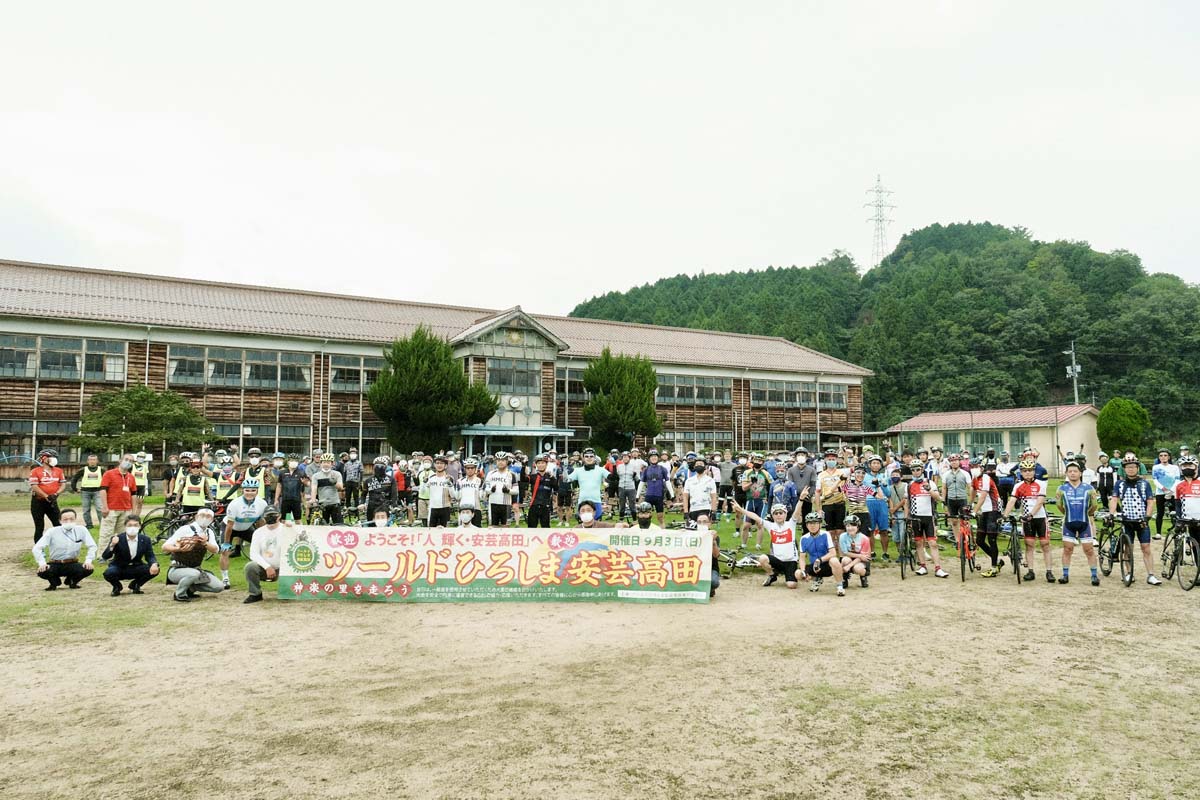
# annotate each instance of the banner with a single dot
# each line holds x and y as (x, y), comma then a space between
(448, 565)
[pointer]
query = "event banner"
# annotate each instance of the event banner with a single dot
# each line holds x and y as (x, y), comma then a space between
(440, 565)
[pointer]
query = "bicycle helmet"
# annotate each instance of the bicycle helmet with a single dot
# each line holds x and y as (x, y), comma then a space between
(470, 462)
(380, 461)
(813, 516)
(875, 458)
(270, 514)
(441, 458)
(644, 507)
(47, 452)
(1188, 461)
(916, 468)
(778, 507)
(254, 451)
(278, 454)
(1072, 463)
(250, 483)
(852, 519)
(223, 460)
(1028, 464)
(220, 453)
(540, 457)
(1130, 458)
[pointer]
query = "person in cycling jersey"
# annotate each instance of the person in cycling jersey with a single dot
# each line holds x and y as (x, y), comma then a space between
(590, 477)
(326, 490)
(655, 487)
(1032, 496)
(877, 502)
(1136, 500)
(819, 554)
(379, 489)
(242, 516)
(922, 499)
(1166, 475)
(784, 558)
(855, 547)
(987, 511)
(1077, 501)
(1187, 496)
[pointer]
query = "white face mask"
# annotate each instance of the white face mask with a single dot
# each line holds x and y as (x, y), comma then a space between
(741, 461)
(354, 456)
(381, 523)
(254, 460)
(131, 530)
(279, 462)
(466, 517)
(586, 516)
(53, 461)
(802, 460)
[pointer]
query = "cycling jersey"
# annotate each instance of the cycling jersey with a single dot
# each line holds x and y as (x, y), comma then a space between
(859, 545)
(194, 490)
(829, 482)
(880, 481)
(816, 545)
(1187, 493)
(1165, 478)
(654, 481)
(956, 484)
(856, 497)
(783, 540)
(920, 502)
(1029, 492)
(991, 495)
(469, 492)
(244, 514)
(438, 485)
(1135, 498)
(496, 482)
(1074, 501)
(139, 474)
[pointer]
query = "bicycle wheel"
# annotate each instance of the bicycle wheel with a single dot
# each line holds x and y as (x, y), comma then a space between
(1171, 553)
(156, 529)
(905, 552)
(1107, 551)
(1125, 557)
(1014, 553)
(962, 555)
(1187, 571)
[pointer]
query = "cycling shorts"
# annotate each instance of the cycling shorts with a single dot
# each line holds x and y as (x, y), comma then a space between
(657, 502)
(922, 527)
(1137, 528)
(725, 491)
(989, 522)
(823, 569)
(835, 517)
(1036, 528)
(756, 507)
(1077, 531)
(785, 568)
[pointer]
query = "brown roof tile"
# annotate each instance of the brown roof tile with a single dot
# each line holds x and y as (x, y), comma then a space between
(1038, 416)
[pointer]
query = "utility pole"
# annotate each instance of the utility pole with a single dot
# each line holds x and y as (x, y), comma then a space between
(1073, 370)
(880, 204)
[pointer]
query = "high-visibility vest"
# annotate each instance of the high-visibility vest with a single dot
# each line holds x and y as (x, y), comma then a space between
(194, 494)
(139, 474)
(91, 477)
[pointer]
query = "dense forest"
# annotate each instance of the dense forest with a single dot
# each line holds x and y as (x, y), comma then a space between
(963, 316)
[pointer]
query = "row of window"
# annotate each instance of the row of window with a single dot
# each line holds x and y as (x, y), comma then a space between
(781, 441)
(692, 390)
(56, 358)
(981, 441)
(189, 365)
(797, 394)
(514, 376)
(353, 374)
(682, 441)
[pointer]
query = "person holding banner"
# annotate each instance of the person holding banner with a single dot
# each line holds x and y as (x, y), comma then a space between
(264, 555)
(440, 493)
(543, 487)
(587, 517)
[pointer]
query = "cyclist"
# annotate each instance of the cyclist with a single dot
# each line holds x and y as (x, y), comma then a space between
(1106, 476)
(498, 486)
(565, 491)
(590, 477)
(325, 490)
(141, 478)
(819, 554)
(1077, 500)
(655, 487)
(784, 558)
(877, 503)
(194, 489)
(441, 493)
(831, 483)
(470, 491)
(900, 479)
(242, 516)
(1166, 475)
(289, 489)
(783, 490)
(379, 489)
(1005, 476)
(700, 493)
(855, 547)
(1033, 516)
(1187, 496)
(858, 492)
(1136, 499)
(228, 480)
(987, 510)
(756, 486)
(957, 485)
(543, 486)
(922, 497)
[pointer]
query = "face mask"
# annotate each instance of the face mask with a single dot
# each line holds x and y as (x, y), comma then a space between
(131, 530)
(427, 466)
(802, 460)
(380, 470)
(466, 517)
(293, 464)
(742, 461)
(643, 522)
(1189, 473)
(254, 461)
(174, 463)
(125, 465)
(278, 462)
(586, 516)
(227, 469)
(354, 456)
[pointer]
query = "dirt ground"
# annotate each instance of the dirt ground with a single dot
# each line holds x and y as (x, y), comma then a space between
(923, 689)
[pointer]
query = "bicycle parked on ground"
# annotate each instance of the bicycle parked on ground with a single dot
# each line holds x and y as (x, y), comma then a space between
(1181, 555)
(964, 540)
(1117, 547)
(1107, 540)
(905, 554)
(1014, 528)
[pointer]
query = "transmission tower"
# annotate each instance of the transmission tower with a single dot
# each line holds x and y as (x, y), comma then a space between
(881, 206)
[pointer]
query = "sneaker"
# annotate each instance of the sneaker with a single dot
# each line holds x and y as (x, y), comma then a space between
(136, 589)
(999, 566)
(841, 590)
(921, 570)
(941, 573)
(178, 599)
(50, 589)
(1153, 580)
(252, 598)
(862, 581)
(1096, 580)
(990, 572)
(816, 586)
(116, 592)
(1158, 536)
(770, 579)
(1028, 575)
(1049, 576)
(887, 557)
(1064, 579)
(226, 582)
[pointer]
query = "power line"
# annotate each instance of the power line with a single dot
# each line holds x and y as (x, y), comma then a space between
(881, 205)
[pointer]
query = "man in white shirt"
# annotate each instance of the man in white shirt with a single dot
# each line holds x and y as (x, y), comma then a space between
(264, 555)
(57, 553)
(470, 491)
(699, 492)
(498, 485)
(242, 516)
(188, 547)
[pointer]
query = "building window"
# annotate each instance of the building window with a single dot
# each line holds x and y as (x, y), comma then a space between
(979, 442)
(371, 369)
(513, 376)
(61, 359)
(185, 365)
(224, 367)
(260, 436)
(374, 442)
(568, 384)
(104, 361)
(293, 439)
(16, 439)
(1017, 441)
(694, 390)
(783, 394)
(832, 395)
(781, 441)
(346, 375)
(295, 371)
(951, 442)
(18, 356)
(54, 434)
(262, 370)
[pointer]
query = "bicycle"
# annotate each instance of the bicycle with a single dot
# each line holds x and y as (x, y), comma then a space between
(1015, 552)
(1107, 541)
(964, 541)
(1181, 555)
(1119, 548)
(905, 556)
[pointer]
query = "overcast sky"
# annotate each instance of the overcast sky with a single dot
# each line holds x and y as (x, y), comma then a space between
(538, 153)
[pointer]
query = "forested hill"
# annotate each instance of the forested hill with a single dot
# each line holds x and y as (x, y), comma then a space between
(963, 316)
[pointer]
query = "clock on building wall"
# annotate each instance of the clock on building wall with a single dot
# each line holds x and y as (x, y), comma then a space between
(514, 403)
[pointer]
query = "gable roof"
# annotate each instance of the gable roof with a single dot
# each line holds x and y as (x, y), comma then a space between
(504, 318)
(95, 295)
(1035, 417)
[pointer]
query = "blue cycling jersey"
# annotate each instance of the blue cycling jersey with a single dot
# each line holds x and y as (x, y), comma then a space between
(1074, 501)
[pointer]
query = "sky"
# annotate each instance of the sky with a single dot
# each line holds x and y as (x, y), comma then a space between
(540, 153)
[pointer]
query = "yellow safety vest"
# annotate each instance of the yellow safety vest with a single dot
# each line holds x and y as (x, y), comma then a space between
(139, 474)
(194, 493)
(91, 479)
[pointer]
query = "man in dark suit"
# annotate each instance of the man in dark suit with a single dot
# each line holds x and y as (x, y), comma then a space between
(131, 558)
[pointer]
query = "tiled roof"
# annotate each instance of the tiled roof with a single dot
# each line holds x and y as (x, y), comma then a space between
(42, 290)
(1039, 416)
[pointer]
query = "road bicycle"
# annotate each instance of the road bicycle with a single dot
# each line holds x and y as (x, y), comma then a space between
(905, 554)
(1107, 540)
(1013, 527)
(1116, 546)
(1181, 555)
(964, 541)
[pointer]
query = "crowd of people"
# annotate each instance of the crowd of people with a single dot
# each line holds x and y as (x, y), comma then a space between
(850, 504)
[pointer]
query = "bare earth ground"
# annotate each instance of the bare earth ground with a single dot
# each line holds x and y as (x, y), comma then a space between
(923, 689)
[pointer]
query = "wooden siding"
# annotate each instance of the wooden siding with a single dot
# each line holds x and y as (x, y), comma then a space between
(17, 398)
(295, 408)
(260, 404)
(344, 408)
(318, 401)
(741, 409)
(57, 400)
(548, 413)
(223, 404)
(854, 408)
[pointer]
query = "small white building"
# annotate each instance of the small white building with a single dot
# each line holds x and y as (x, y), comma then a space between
(1048, 429)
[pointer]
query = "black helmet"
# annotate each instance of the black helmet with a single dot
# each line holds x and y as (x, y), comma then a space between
(270, 514)
(852, 519)
(644, 507)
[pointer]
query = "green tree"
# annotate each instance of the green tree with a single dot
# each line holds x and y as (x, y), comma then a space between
(1122, 424)
(622, 399)
(422, 392)
(139, 418)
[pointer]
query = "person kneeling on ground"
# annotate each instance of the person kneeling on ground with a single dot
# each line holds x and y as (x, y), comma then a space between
(856, 552)
(264, 554)
(57, 552)
(784, 559)
(130, 558)
(819, 550)
(188, 547)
